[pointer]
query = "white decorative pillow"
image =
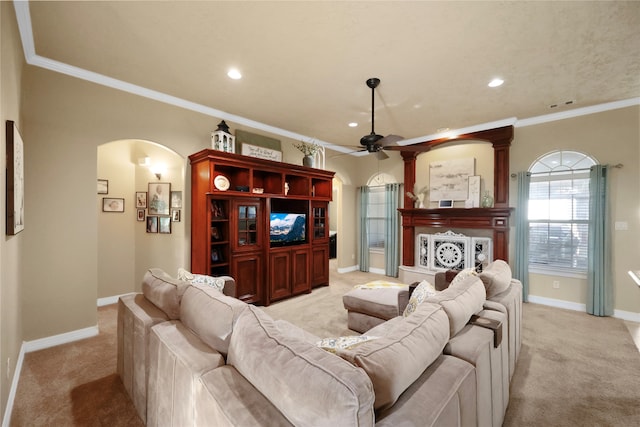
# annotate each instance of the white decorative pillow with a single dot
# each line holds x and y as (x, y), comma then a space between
(423, 291)
(348, 342)
(215, 282)
(463, 275)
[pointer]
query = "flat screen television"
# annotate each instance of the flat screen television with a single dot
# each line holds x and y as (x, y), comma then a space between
(287, 229)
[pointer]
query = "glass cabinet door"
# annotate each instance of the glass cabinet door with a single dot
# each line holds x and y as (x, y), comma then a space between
(247, 224)
(319, 222)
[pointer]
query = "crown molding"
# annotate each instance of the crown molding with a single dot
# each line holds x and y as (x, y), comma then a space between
(32, 58)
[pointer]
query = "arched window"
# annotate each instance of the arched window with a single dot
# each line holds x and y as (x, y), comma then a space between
(559, 212)
(376, 210)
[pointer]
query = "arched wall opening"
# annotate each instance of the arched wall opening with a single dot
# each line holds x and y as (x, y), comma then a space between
(126, 250)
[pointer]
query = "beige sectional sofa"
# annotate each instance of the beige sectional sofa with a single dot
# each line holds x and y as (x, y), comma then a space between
(217, 361)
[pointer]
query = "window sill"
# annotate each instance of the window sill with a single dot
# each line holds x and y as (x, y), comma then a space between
(548, 271)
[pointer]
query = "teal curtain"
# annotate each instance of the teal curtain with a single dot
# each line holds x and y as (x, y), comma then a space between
(599, 277)
(363, 254)
(391, 230)
(521, 263)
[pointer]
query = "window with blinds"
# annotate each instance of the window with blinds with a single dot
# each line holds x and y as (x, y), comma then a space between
(559, 211)
(376, 217)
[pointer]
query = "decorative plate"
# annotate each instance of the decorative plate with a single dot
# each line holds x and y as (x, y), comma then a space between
(221, 183)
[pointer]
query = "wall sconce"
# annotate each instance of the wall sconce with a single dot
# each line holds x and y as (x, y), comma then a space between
(158, 170)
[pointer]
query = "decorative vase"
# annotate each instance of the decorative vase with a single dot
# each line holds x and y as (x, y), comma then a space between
(307, 161)
(487, 200)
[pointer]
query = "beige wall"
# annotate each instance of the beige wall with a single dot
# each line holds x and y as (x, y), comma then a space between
(611, 137)
(11, 247)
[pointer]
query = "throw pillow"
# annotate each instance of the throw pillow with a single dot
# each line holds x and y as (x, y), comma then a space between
(463, 275)
(423, 291)
(348, 342)
(201, 279)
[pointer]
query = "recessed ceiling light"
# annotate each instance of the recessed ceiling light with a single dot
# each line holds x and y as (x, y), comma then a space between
(234, 74)
(353, 125)
(496, 82)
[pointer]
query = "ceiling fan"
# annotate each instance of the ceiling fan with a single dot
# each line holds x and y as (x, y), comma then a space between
(374, 143)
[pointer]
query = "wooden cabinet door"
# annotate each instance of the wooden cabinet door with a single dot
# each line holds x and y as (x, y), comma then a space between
(248, 225)
(280, 274)
(320, 265)
(247, 270)
(319, 222)
(300, 282)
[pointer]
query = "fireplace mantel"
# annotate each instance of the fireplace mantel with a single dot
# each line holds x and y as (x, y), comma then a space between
(495, 219)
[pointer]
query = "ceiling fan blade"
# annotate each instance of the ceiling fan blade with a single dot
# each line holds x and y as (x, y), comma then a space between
(390, 140)
(345, 154)
(381, 155)
(415, 148)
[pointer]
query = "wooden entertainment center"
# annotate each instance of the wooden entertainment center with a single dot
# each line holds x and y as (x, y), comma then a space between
(232, 199)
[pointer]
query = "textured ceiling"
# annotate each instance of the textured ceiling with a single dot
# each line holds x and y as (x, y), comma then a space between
(305, 63)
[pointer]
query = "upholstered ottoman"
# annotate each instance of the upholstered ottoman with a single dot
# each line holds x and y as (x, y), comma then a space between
(369, 307)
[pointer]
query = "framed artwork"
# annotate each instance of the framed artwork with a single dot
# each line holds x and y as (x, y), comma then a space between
(141, 215)
(103, 186)
(112, 204)
(152, 224)
(449, 179)
(159, 198)
(164, 225)
(216, 255)
(176, 199)
(474, 191)
(15, 180)
(141, 199)
(215, 233)
(175, 215)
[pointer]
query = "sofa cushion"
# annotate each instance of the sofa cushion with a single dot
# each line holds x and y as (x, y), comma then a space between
(463, 275)
(396, 360)
(460, 301)
(496, 277)
(210, 315)
(164, 291)
(346, 342)
(283, 367)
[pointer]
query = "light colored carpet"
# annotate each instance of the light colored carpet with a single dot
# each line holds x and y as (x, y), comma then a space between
(574, 369)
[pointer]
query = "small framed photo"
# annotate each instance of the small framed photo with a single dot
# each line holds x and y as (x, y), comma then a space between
(164, 225)
(175, 215)
(176, 199)
(215, 233)
(152, 224)
(103, 186)
(216, 256)
(111, 204)
(159, 198)
(141, 215)
(141, 199)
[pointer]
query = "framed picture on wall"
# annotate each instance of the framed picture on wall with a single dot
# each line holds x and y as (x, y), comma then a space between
(141, 199)
(159, 198)
(165, 224)
(141, 215)
(15, 179)
(112, 204)
(152, 224)
(176, 199)
(103, 186)
(175, 215)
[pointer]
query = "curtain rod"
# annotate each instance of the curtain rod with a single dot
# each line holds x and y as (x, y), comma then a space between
(617, 166)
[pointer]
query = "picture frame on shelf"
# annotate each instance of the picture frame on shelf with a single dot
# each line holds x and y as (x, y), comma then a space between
(141, 215)
(112, 204)
(103, 186)
(164, 225)
(141, 199)
(216, 255)
(215, 233)
(15, 179)
(175, 215)
(152, 224)
(217, 209)
(159, 198)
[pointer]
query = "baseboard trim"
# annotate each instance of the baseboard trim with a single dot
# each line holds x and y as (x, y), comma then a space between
(347, 269)
(109, 300)
(551, 302)
(59, 339)
(14, 388)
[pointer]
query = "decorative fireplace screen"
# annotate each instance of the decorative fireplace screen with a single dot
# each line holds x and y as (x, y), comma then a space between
(451, 251)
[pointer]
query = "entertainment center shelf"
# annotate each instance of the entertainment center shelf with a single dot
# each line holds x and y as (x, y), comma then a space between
(233, 198)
